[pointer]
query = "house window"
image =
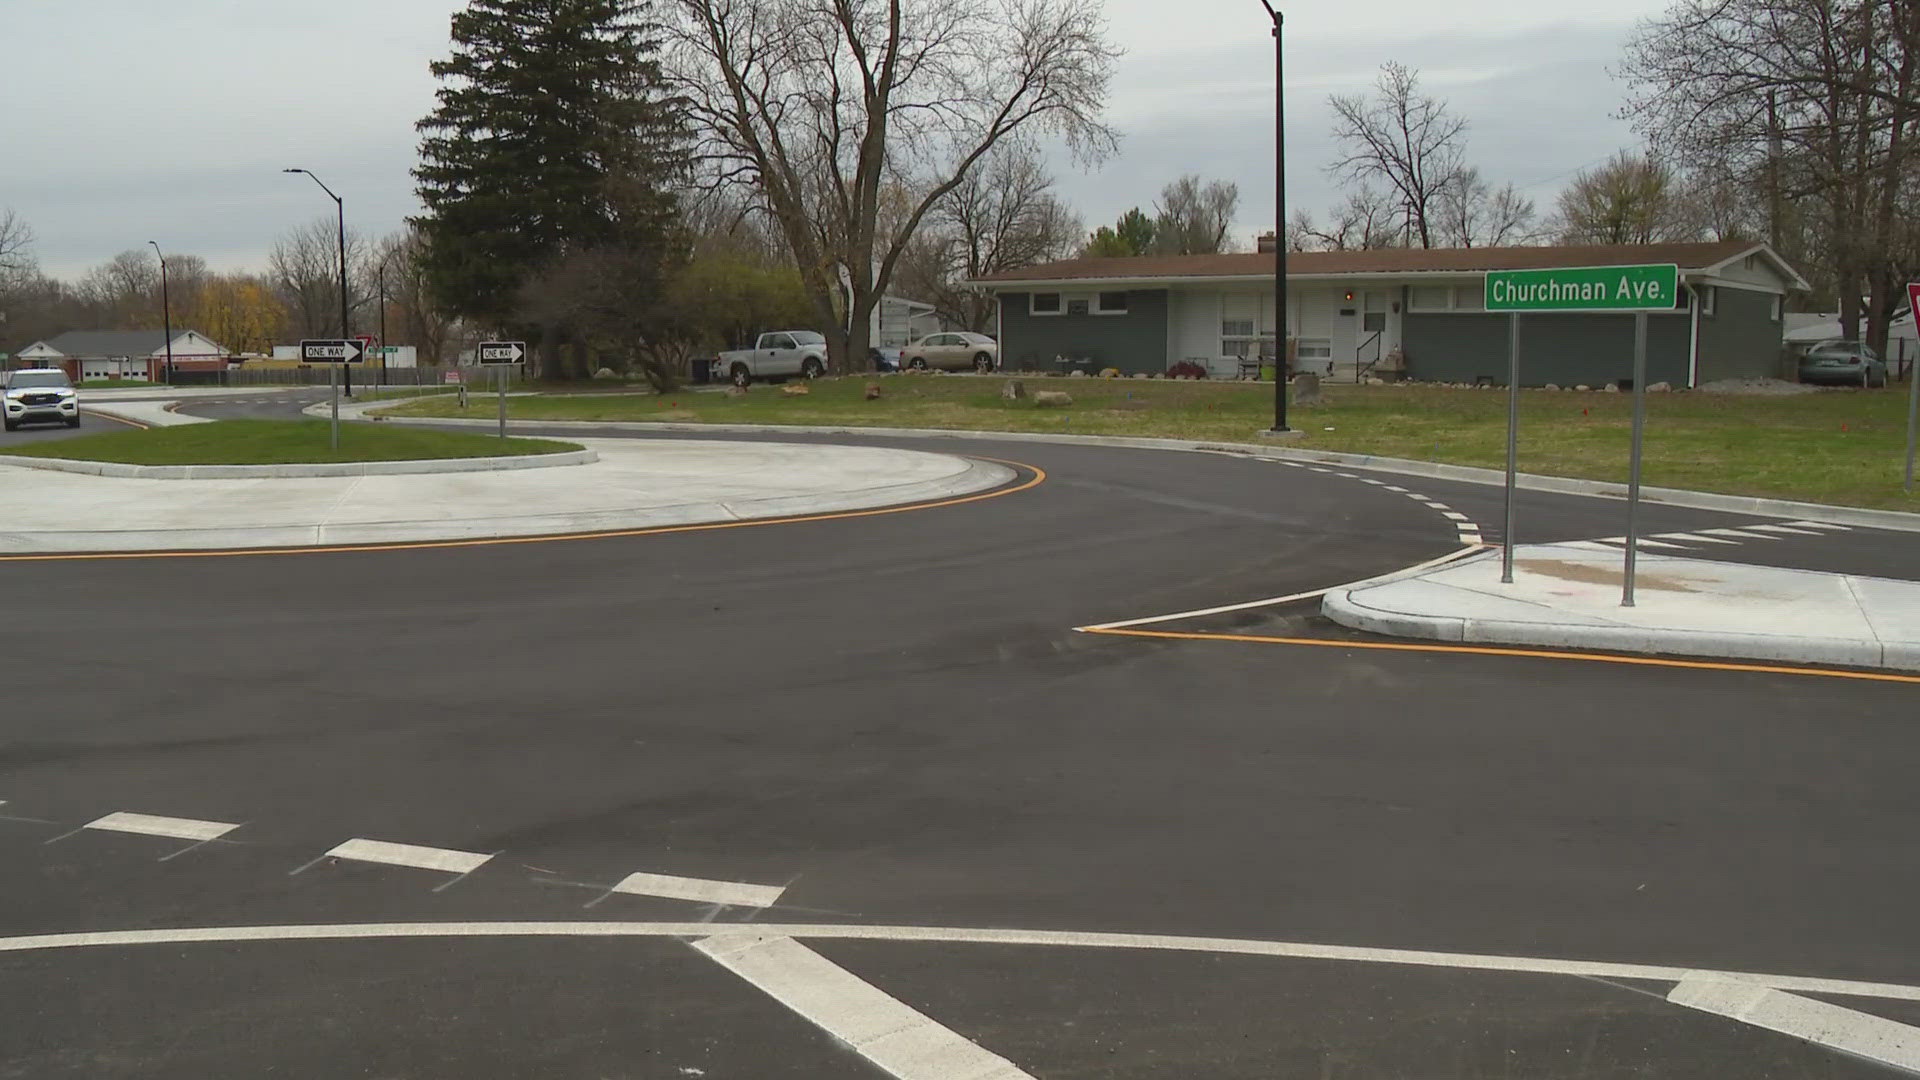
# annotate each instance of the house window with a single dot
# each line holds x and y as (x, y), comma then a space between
(1043, 303)
(1110, 303)
(1430, 298)
(1470, 298)
(1706, 299)
(1775, 312)
(1315, 349)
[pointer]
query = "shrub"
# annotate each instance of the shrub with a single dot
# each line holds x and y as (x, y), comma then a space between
(1186, 369)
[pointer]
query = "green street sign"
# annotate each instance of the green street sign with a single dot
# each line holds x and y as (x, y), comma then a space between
(1652, 287)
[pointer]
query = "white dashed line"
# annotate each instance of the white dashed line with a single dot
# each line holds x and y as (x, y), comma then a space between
(1375, 483)
(1454, 515)
(1471, 538)
(153, 825)
(1818, 1022)
(1348, 475)
(732, 893)
(1737, 532)
(901, 1040)
(1395, 487)
(461, 863)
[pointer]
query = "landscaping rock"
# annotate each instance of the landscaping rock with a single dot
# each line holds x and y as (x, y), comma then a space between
(1077, 373)
(1375, 380)
(1110, 373)
(795, 389)
(1659, 388)
(1141, 375)
(1306, 389)
(736, 391)
(605, 373)
(1014, 390)
(873, 391)
(1551, 386)
(1052, 399)
(1583, 386)
(1610, 388)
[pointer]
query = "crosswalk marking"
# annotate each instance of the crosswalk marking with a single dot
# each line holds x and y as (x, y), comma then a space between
(704, 890)
(1822, 525)
(154, 825)
(1737, 532)
(902, 1041)
(1642, 542)
(426, 858)
(1697, 538)
(1455, 515)
(1784, 529)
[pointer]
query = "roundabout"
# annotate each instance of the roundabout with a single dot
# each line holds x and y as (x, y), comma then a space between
(709, 800)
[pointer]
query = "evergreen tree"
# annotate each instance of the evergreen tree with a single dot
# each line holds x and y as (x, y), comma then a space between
(552, 138)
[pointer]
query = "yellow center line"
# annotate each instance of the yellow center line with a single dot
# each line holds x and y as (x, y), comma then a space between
(1495, 650)
(1039, 477)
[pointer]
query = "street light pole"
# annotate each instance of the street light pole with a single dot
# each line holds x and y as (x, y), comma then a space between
(384, 354)
(340, 206)
(166, 311)
(1279, 225)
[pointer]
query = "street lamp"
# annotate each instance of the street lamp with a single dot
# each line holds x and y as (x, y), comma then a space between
(1279, 227)
(340, 205)
(166, 311)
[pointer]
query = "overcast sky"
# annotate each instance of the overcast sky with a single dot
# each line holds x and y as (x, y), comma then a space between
(130, 120)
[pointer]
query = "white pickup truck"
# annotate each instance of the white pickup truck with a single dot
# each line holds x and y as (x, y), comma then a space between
(779, 354)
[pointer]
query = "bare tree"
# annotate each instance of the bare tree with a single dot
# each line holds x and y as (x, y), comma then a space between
(1473, 213)
(420, 321)
(1193, 219)
(1405, 140)
(1814, 101)
(1369, 219)
(16, 248)
(305, 267)
(821, 106)
(1002, 216)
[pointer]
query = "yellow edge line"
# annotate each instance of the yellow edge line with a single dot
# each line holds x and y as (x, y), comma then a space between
(117, 419)
(1494, 650)
(1039, 477)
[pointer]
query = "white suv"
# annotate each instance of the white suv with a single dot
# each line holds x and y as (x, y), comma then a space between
(34, 395)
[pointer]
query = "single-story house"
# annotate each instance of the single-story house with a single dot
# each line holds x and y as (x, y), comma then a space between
(1351, 310)
(122, 354)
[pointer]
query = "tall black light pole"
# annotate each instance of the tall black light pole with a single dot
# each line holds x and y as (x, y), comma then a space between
(340, 205)
(1279, 226)
(384, 354)
(166, 311)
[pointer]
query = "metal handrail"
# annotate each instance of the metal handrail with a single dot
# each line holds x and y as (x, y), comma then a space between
(1360, 373)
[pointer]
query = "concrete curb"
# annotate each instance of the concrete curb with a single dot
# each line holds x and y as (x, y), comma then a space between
(146, 414)
(979, 476)
(312, 469)
(1698, 500)
(1342, 607)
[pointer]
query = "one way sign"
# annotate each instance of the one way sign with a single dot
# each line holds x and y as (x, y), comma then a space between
(502, 352)
(331, 351)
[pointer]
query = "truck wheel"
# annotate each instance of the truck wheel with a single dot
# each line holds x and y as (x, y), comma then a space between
(810, 368)
(918, 363)
(983, 364)
(742, 378)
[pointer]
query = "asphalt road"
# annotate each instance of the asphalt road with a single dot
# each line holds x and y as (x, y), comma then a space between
(892, 720)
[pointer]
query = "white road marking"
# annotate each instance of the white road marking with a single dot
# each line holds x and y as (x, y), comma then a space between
(1600, 969)
(1784, 529)
(1471, 538)
(1348, 475)
(1197, 612)
(1588, 545)
(1455, 515)
(1375, 483)
(153, 825)
(1395, 487)
(426, 858)
(1431, 505)
(1417, 496)
(1817, 1022)
(1737, 532)
(1642, 542)
(1317, 468)
(1822, 525)
(732, 893)
(901, 1040)
(1697, 538)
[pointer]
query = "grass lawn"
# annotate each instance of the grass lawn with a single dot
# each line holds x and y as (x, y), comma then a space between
(1840, 446)
(116, 384)
(274, 442)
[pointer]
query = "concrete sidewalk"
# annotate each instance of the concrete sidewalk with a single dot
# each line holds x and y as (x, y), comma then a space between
(1564, 596)
(634, 485)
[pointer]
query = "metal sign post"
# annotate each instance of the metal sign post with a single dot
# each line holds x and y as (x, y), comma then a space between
(1638, 289)
(1913, 386)
(335, 353)
(1513, 443)
(501, 355)
(1633, 467)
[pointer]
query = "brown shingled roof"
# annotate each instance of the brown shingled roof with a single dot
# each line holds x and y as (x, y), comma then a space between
(1380, 261)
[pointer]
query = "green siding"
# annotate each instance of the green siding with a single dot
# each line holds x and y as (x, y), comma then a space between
(1134, 342)
(1565, 349)
(1740, 339)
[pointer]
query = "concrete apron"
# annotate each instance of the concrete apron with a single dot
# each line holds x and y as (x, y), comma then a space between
(1567, 597)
